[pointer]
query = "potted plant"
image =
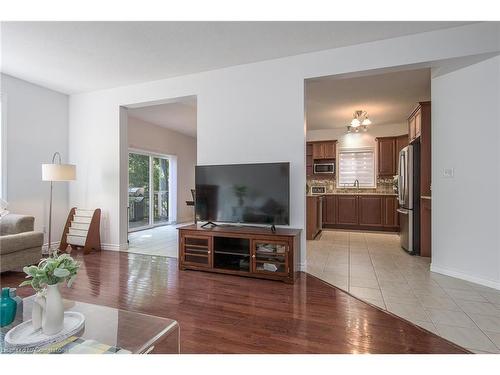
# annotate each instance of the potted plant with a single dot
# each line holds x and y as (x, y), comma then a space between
(48, 309)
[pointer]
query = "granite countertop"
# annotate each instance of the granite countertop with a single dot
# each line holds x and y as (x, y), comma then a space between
(354, 193)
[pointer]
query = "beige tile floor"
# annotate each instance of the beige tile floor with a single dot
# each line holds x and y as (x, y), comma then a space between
(159, 241)
(374, 268)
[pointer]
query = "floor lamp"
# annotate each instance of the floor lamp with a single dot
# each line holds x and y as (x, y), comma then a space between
(56, 171)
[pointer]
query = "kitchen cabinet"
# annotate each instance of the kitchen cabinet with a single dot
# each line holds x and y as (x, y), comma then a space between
(391, 217)
(329, 210)
(347, 209)
(418, 120)
(425, 227)
(411, 129)
(360, 211)
(401, 142)
(309, 159)
(425, 149)
(418, 123)
(317, 150)
(329, 150)
(314, 208)
(386, 156)
(324, 150)
(371, 210)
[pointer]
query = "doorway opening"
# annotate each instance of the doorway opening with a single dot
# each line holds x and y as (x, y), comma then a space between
(158, 149)
(360, 129)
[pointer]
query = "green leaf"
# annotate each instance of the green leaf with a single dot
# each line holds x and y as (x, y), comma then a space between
(25, 282)
(70, 281)
(61, 272)
(31, 270)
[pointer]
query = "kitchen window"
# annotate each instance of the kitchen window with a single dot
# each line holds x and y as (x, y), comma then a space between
(356, 164)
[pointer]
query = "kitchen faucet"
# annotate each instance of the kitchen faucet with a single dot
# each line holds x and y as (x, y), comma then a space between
(356, 184)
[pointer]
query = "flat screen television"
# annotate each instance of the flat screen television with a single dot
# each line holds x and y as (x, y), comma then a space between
(243, 193)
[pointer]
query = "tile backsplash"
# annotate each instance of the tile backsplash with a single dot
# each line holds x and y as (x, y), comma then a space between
(384, 185)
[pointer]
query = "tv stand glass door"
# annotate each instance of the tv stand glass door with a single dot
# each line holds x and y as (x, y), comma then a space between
(270, 257)
(197, 251)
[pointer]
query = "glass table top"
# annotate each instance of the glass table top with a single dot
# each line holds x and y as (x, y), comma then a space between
(108, 330)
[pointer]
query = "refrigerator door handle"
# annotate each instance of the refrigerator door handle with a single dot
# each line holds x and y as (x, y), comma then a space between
(401, 177)
(400, 189)
(403, 211)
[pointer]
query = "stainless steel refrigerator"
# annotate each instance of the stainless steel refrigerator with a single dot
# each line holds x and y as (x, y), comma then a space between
(409, 198)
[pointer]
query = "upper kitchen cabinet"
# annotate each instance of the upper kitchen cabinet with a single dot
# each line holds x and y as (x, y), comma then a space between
(417, 120)
(386, 156)
(401, 142)
(309, 159)
(323, 150)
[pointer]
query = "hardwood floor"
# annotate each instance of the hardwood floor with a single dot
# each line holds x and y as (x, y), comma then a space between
(230, 314)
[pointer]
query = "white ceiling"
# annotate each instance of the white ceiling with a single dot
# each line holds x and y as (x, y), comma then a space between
(74, 57)
(178, 115)
(388, 98)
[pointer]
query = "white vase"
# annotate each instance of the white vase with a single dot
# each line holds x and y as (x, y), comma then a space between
(37, 311)
(53, 314)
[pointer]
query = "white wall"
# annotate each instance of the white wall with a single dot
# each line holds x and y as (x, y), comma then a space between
(356, 140)
(466, 208)
(149, 137)
(36, 127)
(247, 113)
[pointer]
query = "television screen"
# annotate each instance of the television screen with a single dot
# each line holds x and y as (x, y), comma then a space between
(243, 193)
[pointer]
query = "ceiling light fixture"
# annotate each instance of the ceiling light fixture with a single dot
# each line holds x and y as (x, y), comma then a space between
(360, 122)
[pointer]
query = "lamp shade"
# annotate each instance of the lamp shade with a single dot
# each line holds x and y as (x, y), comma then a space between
(58, 172)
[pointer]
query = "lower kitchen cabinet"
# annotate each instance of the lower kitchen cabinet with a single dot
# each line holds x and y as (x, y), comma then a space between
(329, 206)
(347, 209)
(391, 218)
(314, 208)
(371, 210)
(425, 227)
(360, 212)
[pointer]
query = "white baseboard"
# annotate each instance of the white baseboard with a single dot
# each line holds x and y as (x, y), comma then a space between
(114, 247)
(104, 246)
(460, 275)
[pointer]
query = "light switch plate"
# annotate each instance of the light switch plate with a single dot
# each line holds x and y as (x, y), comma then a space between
(448, 172)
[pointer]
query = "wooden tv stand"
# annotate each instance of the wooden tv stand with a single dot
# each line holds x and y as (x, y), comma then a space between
(244, 251)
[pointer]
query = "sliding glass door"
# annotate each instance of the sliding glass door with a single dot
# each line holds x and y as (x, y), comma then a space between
(160, 190)
(148, 194)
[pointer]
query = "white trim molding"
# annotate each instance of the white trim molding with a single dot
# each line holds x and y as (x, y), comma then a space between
(303, 266)
(114, 247)
(463, 276)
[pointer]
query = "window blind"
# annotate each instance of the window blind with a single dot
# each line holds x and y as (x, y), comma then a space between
(356, 165)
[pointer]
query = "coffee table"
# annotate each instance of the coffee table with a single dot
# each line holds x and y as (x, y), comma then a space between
(132, 332)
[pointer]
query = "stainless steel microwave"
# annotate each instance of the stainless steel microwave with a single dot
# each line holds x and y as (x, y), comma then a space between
(324, 168)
